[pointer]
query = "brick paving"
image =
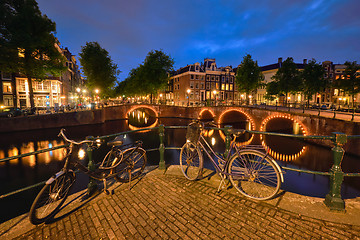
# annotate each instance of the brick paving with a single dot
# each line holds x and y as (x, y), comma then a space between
(167, 206)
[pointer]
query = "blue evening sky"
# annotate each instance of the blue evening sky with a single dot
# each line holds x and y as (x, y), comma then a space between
(191, 30)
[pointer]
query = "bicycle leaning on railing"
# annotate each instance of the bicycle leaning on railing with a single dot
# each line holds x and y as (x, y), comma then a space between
(123, 162)
(251, 170)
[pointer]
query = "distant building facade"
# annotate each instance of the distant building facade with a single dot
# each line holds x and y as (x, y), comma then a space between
(53, 91)
(197, 84)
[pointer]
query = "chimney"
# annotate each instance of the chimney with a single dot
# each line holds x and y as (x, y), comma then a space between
(279, 60)
(305, 61)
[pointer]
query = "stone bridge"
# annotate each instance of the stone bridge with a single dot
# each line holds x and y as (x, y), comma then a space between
(257, 117)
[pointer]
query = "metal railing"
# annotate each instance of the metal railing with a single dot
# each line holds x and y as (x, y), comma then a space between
(333, 199)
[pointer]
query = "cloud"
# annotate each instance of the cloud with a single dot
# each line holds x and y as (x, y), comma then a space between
(226, 30)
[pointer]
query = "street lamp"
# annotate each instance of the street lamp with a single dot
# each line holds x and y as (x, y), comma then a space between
(78, 91)
(215, 96)
(96, 94)
(160, 97)
(188, 95)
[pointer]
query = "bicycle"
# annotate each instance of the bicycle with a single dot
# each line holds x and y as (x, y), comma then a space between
(252, 172)
(123, 162)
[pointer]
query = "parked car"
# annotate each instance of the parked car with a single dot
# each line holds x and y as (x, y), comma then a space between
(10, 112)
(325, 107)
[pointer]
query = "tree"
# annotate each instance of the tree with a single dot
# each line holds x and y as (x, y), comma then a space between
(287, 78)
(272, 90)
(155, 71)
(149, 77)
(249, 76)
(28, 43)
(313, 80)
(350, 82)
(100, 71)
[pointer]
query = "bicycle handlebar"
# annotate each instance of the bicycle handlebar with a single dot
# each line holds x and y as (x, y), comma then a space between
(62, 134)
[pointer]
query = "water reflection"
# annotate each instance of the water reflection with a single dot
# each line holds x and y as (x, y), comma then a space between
(283, 124)
(141, 118)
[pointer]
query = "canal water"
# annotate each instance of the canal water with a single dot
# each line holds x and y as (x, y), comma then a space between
(19, 173)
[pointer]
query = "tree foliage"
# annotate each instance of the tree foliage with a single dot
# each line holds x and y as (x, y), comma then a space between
(27, 42)
(249, 76)
(149, 77)
(287, 78)
(100, 71)
(313, 80)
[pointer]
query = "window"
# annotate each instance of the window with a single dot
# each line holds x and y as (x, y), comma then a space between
(223, 79)
(208, 77)
(191, 76)
(227, 87)
(7, 87)
(197, 77)
(46, 85)
(231, 87)
(217, 78)
(231, 79)
(5, 76)
(22, 85)
(212, 78)
(201, 85)
(208, 85)
(8, 101)
(191, 85)
(223, 86)
(197, 85)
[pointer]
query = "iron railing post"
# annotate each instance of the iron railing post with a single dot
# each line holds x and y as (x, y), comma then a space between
(162, 147)
(92, 185)
(227, 139)
(333, 199)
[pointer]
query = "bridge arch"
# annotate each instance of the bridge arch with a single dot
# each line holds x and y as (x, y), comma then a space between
(134, 108)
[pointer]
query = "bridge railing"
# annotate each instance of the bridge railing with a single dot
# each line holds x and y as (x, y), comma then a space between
(333, 199)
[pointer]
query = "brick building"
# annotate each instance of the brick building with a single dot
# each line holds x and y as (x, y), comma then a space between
(197, 84)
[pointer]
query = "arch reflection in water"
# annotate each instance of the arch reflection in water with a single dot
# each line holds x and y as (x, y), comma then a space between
(293, 148)
(238, 120)
(141, 118)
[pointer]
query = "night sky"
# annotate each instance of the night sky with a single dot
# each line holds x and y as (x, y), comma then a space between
(191, 30)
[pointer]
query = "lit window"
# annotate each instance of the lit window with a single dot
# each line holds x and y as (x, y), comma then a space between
(7, 87)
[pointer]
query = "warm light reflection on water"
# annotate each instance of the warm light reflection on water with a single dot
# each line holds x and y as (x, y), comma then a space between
(32, 160)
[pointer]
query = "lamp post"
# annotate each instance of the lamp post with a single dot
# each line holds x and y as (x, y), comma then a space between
(78, 91)
(188, 96)
(160, 97)
(215, 97)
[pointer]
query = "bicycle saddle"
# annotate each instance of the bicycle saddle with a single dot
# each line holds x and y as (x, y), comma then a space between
(115, 143)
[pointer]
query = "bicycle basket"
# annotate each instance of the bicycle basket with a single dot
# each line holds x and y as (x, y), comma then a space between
(193, 132)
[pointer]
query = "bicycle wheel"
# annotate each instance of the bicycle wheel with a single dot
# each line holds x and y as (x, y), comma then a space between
(254, 174)
(133, 162)
(50, 198)
(191, 161)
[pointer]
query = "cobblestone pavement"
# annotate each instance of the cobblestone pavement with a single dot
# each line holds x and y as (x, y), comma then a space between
(167, 206)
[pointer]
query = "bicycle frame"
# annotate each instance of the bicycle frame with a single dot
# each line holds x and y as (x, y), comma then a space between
(206, 147)
(98, 173)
